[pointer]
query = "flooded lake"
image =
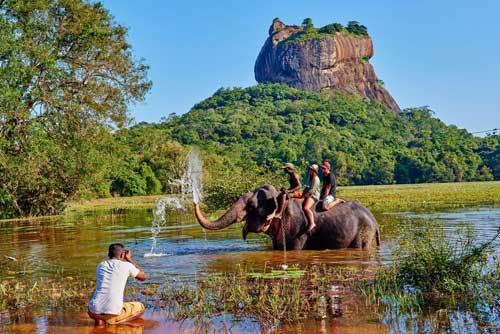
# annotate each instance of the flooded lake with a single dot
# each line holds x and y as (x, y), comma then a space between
(74, 245)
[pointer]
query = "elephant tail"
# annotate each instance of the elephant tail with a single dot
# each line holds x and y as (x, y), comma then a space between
(377, 237)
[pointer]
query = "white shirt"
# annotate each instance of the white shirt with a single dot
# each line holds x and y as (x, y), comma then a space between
(111, 276)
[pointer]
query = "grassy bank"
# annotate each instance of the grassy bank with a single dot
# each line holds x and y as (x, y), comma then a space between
(424, 197)
(99, 204)
(135, 202)
(384, 198)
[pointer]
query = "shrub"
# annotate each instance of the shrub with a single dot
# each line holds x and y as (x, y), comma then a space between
(357, 29)
(153, 185)
(331, 28)
(428, 268)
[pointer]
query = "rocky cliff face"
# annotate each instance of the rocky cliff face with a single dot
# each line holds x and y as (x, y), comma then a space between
(337, 61)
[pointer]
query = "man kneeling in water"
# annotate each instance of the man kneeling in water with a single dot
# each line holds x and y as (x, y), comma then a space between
(106, 305)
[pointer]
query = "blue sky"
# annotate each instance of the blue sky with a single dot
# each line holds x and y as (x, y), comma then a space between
(441, 53)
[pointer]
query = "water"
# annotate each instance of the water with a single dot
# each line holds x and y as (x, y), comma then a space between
(73, 246)
(190, 183)
(194, 175)
(164, 205)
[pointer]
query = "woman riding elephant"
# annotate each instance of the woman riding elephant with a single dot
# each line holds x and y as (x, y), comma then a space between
(311, 196)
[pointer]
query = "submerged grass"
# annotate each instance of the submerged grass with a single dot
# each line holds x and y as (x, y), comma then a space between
(428, 273)
(21, 294)
(270, 296)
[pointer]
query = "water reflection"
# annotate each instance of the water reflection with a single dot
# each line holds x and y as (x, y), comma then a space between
(75, 245)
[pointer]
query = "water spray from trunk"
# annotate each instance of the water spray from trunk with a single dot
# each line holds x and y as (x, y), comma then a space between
(190, 184)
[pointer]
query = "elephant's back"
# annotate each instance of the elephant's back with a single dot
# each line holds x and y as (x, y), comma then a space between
(340, 226)
(349, 207)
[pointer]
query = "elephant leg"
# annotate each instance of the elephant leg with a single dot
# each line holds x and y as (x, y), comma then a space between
(300, 242)
(356, 243)
(367, 242)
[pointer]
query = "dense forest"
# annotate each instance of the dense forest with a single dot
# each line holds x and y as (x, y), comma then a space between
(68, 78)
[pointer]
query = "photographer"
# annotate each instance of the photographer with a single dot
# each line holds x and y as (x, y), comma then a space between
(106, 305)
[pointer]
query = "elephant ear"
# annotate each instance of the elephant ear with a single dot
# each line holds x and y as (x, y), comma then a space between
(271, 204)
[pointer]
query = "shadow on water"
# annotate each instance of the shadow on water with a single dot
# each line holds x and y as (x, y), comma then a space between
(73, 246)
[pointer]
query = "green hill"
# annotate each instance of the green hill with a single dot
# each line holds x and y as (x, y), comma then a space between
(269, 124)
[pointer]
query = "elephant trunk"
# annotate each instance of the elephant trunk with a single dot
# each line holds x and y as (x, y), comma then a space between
(235, 214)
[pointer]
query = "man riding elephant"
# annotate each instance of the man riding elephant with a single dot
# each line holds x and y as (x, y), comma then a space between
(329, 188)
(292, 191)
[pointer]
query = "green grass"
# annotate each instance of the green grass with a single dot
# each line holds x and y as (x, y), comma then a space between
(383, 198)
(134, 202)
(318, 33)
(423, 197)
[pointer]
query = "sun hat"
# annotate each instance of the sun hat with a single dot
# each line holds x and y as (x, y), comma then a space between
(314, 167)
(289, 166)
(326, 165)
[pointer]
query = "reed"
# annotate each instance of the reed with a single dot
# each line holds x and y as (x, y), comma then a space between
(430, 271)
(17, 295)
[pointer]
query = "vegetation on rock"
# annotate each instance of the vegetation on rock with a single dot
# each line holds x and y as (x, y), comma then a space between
(308, 31)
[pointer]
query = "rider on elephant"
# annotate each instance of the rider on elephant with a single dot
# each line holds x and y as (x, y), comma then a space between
(329, 188)
(291, 192)
(311, 195)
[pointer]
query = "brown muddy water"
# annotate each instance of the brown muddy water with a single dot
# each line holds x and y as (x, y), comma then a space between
(73, 246)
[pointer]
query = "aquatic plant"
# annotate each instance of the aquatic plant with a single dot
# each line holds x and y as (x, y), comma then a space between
(431, 270)
(270, 296)
(19, 293)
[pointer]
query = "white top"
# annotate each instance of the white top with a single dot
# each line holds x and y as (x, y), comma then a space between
(111, 276)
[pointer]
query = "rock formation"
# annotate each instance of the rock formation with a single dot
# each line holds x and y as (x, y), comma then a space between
(336, 61)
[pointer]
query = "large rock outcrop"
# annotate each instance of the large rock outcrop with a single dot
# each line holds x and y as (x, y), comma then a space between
(337, 61)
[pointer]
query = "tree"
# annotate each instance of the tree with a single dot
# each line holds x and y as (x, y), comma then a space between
(308, 24)
(331, 28)
(67, 75)
(357, 29)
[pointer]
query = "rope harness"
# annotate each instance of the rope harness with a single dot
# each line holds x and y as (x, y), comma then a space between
(282, 224)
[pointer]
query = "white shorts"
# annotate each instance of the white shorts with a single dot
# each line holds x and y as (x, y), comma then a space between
(328, 199)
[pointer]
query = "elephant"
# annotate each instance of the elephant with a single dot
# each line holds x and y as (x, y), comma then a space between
(346, 225)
